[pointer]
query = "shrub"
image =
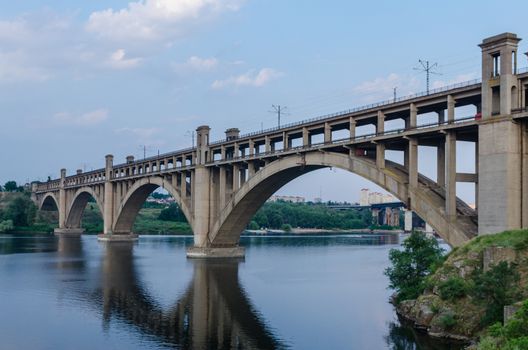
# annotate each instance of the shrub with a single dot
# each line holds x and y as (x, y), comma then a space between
(495, 288)
(410, 266)
(453, 288)
(447, 321)
(512, 336)
(6, 225)
(286, 228)
(253, 225)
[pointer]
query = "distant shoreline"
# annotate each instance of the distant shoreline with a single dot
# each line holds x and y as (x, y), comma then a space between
(311, 231)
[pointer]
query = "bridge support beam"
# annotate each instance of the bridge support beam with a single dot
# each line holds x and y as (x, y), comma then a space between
(500, 177)
(450, 177)
(500, 145)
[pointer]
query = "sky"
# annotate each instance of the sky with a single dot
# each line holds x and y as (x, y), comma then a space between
(79, 80)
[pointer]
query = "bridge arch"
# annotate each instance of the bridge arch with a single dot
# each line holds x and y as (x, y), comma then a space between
(428, 199)
(49, 202)
(78, 204)
(136, 196)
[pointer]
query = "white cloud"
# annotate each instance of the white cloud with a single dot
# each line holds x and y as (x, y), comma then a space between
(383, 88)
(195, 63)
(118, 60)
(251, 78)
(154, 19)
(202, 64)
(85, 119)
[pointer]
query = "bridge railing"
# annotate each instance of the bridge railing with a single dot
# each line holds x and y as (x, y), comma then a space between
(346, 140)
(358, 109)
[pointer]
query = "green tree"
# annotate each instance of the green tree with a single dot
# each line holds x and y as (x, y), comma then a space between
(10, 186)
(21, 211)
(6, 226)
(172, 213)
(253, 225)
(286, 228)
(412, 265)
(495, 288)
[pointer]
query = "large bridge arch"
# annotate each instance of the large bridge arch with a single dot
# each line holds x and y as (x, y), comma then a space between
(136, 196)
(49, 202)
(78, 204)
(427, 200)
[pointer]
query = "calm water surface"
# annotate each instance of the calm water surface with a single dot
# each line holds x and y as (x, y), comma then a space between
(289, 293)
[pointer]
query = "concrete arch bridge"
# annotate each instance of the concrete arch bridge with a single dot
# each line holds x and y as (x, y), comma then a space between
(220, 185)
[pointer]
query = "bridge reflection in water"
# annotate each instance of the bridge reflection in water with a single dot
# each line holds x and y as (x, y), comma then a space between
(213, 313)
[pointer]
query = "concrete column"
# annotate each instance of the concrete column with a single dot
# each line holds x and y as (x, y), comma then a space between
(440, 165)
(450, 164)
(174, 180)
(380, 125)
(352, 127)
(306, 137)
(108, 197)
(236, 177)
(450, 108)
(285, 141)
(267, 143)
(500, 177)
(236, 150)
(327, 133)
(251, 147)
(183, 175)
(413, 162)
(251, 169)
(222, 152)
(62, 200)
(223, 183)
(201, 204)
(413, 113)
(380, 155)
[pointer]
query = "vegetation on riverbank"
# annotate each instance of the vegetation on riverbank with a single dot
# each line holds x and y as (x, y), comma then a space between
(463, 296)
(281, 215)
(19, 214)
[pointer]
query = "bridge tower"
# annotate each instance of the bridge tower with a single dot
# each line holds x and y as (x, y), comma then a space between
(502, 140)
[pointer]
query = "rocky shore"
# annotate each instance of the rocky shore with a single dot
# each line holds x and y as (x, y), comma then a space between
(450, 306)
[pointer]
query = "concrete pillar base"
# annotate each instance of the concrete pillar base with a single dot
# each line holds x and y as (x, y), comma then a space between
(212, 252)
(130, 237)
(68, 232)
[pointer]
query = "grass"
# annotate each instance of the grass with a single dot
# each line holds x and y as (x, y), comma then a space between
(516, 239)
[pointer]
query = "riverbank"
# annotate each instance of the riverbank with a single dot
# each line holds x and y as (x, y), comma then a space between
(318, 231)
(469, 291)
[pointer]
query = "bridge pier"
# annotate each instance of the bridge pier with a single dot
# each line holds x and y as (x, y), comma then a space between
(68, 232)
(216, 252)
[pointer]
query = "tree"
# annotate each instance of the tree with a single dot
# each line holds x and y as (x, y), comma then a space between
(10, 186)
(411, 265)
(21, 211)
(253, 225)
(172, 213)
(495, 288)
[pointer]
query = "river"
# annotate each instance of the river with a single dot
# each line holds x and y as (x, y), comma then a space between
(313, 292)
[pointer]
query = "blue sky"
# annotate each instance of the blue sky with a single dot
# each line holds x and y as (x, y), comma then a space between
(79, 80)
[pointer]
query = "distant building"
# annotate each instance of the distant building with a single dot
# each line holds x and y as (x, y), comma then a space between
(367, 198)
(318, 200)
(291, 199)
